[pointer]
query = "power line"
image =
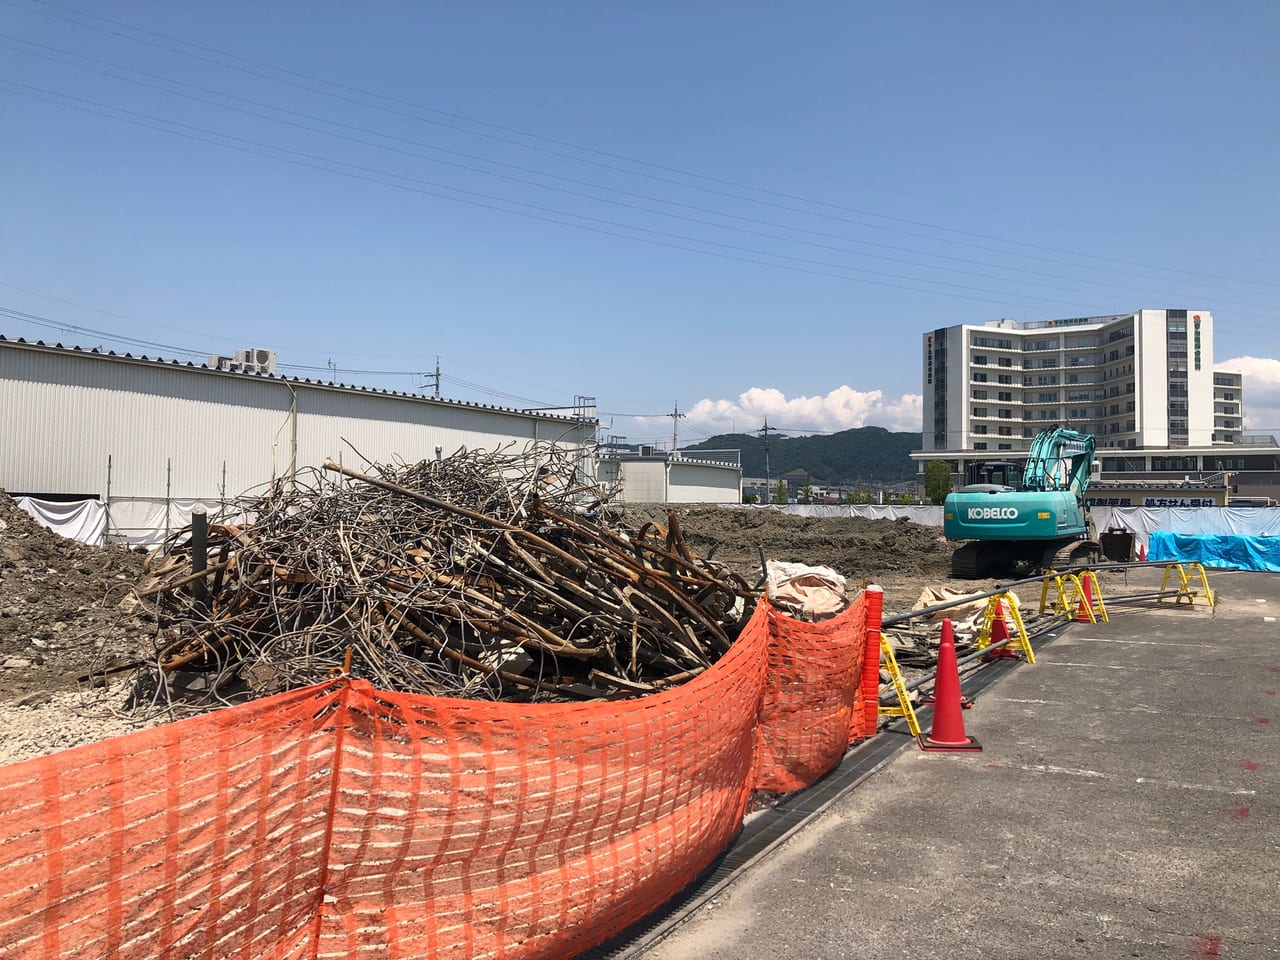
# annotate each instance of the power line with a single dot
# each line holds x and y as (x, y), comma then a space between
(83, 16)
(151, 122)
(377, 176)
(596, 186)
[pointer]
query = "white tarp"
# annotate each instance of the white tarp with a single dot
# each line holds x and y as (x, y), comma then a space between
(134, 521)
(83, 520)
(143, 522)
(925, 515)
(1144, 521)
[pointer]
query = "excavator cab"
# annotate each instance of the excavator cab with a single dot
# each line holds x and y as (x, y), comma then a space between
(992, 474)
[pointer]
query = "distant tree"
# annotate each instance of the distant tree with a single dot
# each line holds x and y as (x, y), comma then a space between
(780, 492)
(750, 498)
(861, 495)
(937, 480)
(806, 495)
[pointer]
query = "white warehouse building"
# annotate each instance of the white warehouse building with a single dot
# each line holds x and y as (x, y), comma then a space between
(150, 438)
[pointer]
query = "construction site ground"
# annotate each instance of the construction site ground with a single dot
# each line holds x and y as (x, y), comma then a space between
(1126, 804)
(60, 615)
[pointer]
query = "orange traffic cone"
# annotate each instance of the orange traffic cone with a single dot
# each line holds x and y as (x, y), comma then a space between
(948, 734)
(1084, 613)
(999, 633)
(1142, 553)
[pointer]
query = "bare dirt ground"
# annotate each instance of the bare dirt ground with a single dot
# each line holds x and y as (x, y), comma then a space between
(59, 611)
(896, 554)
(60, 616)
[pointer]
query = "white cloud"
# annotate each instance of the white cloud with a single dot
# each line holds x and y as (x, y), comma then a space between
(1261, 391)
(842, 409)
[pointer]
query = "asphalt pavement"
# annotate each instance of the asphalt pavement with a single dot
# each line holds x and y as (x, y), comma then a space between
(1126, 804)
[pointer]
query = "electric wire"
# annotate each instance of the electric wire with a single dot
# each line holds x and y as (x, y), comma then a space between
(376, 176)
(63, 54)
(80, 18)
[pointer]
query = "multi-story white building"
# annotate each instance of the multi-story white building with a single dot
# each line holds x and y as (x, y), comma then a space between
(1142, 383)
(1135, 381)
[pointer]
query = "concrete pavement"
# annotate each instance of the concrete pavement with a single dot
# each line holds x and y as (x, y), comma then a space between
(1126, 804)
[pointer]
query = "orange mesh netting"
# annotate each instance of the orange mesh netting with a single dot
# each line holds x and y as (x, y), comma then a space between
(340, 821)
(814, 702)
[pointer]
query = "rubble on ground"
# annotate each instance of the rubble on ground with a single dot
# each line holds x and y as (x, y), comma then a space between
(481, 575)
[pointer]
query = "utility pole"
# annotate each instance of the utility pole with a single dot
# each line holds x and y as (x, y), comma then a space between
(768, 478)
(676, 417)
(333, 370)
(435, 379)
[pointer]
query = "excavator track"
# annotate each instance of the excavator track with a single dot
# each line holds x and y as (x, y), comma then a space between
(966, 562)
(1075, 553)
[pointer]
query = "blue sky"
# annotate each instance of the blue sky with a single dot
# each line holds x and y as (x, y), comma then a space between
(744, 210)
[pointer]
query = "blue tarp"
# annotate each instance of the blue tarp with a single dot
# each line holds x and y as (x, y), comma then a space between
(1216, 550)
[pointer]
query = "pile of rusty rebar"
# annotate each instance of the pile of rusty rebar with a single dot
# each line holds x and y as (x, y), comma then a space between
(484, 575)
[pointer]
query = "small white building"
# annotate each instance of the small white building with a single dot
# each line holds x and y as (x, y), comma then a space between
(693, 476)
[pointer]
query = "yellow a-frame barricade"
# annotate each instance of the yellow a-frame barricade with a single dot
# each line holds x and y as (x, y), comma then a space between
(1076, 596)
(994, 620)
(1185, 589)
(904, 708)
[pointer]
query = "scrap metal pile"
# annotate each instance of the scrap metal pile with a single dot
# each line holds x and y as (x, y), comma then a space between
(482, 575)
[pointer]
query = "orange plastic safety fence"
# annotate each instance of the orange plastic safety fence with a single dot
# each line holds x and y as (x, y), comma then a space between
(339, 821)
(813, 702)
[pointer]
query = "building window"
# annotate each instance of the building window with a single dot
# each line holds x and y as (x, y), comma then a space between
(1005, 446)
(979, 411)
(1004, 414)
(980, 428)
(979, 394)
(980, 358)
(1005, 397)
(1005, 431)
(1005, 379)
(980, 377)
(980, 446)
(1005, 361)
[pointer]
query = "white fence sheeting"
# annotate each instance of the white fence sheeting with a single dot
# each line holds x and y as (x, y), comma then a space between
(924, 515)
(1140, 521)
(83, 520)
(144, 522)
(1144, 521)
(134, 521)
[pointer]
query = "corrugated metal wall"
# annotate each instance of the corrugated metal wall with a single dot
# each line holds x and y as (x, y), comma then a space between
(169, 430)
(703, 483)
(648, 481)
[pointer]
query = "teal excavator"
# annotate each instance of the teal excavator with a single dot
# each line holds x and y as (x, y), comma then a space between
(1040, 521)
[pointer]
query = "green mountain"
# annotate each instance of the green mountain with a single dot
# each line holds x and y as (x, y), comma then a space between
(862, 455)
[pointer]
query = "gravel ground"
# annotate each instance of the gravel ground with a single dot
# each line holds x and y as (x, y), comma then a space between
(60, 615)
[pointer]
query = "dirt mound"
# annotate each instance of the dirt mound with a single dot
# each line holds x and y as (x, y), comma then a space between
(892, 553)
(58, 606)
